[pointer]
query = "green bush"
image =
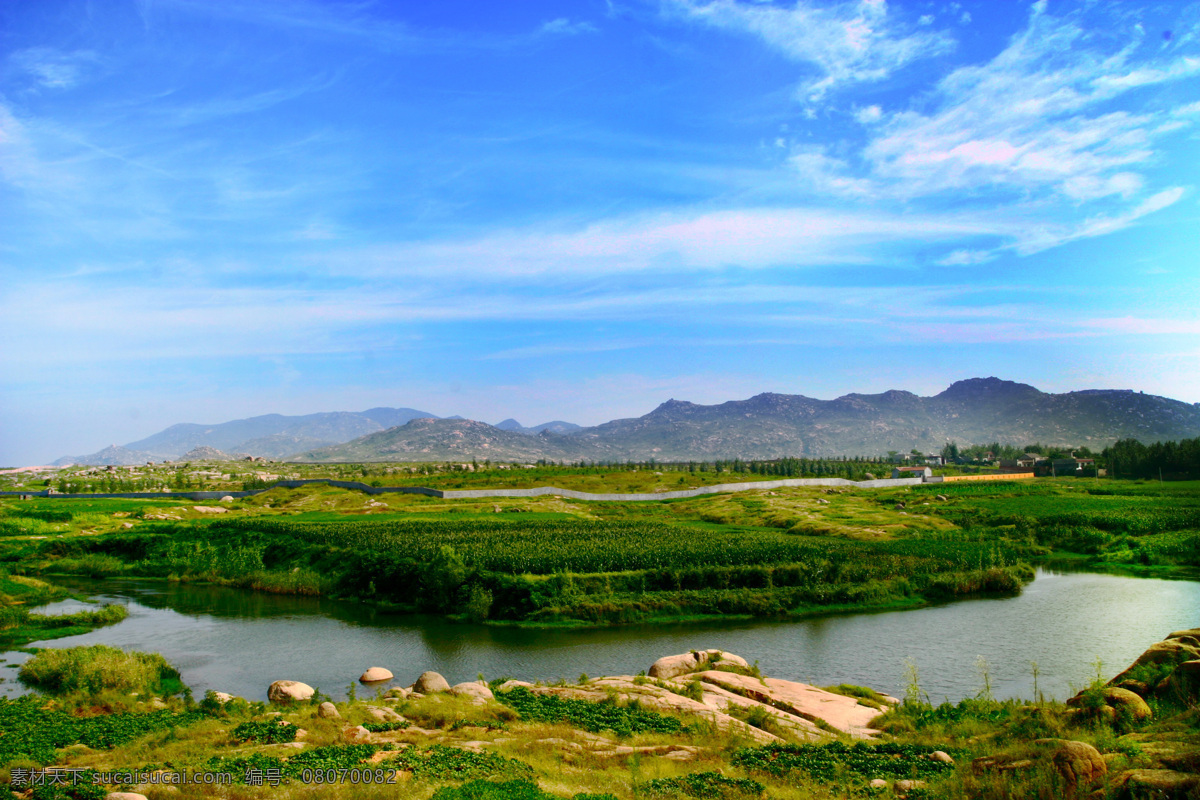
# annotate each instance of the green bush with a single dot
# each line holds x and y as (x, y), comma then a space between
(99, 668)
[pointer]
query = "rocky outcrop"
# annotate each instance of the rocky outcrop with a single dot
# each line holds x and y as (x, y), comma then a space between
(673, 666)
(289, 692)
(1167, 764)
(431, 682)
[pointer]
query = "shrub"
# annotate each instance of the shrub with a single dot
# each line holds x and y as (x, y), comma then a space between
(99, 668)
(265, 732)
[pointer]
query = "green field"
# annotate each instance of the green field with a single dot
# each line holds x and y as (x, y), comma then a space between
(551, 560)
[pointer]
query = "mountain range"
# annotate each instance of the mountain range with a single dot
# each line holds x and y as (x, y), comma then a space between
(974, 411)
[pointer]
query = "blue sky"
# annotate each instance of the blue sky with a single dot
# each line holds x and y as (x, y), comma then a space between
(578, 210)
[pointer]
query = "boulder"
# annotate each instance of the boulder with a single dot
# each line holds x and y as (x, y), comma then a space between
(1077, 762)
(222, 697)
(124, 796)
(376, 674)
(942, 756)
(877, 783)
(476, 692)
(328, 710)
(1133, 705)
(227, 499)
(289, 692)
(397, 693)
(430, 682)
(674, 666)
(903, 787)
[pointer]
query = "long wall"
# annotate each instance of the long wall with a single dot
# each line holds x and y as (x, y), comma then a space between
(466, 494)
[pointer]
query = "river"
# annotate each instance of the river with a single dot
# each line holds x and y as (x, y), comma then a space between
(238, 641)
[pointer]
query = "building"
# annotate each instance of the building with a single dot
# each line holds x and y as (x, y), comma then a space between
(912, 472)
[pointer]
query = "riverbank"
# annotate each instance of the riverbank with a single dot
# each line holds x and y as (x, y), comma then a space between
(697, 725)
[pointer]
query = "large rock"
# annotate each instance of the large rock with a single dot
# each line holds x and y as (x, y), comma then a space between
(1129, 702)
(1117, 702)
(1078, 762)
(476, 691)
(674, 666)
(376, 674)
(431, 682)
(289, 692)
(328, 710)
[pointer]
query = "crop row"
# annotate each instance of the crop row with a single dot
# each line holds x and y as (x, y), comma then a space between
(546, 547)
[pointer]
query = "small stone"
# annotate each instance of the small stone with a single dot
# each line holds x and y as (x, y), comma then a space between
(222, 697)
(878, 783)
(384, 714)
(124, 796)
(942, 756)
(356, 733)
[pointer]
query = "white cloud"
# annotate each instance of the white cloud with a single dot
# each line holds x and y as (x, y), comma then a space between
(847, 42)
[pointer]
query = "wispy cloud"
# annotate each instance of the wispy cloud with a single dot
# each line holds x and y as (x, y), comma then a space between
(845, 43)
(51, 68)
(1034, 118)
(565, 27)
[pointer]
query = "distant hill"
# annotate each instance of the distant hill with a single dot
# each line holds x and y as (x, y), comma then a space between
(557, 426)
(444, 440)
(975, 411)
(271, 436)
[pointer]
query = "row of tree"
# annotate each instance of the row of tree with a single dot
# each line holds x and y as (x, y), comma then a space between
(1129, 458)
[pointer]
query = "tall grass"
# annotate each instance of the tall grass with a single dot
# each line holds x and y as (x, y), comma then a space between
(99, 668)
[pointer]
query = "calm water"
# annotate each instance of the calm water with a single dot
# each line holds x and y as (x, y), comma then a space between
(236, 641)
